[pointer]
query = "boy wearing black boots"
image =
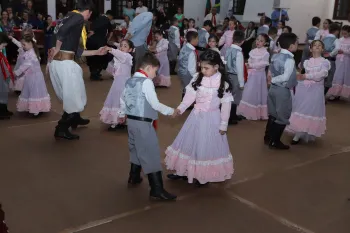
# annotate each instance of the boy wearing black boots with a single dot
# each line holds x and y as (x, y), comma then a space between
(279, 100)
(140, 104)
(5, 76)
(235, 70)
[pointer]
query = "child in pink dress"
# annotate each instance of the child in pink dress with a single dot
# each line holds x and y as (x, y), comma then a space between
(122, 64)
(34, 97)
(308, 119)
(161, 51)
(226, 39)
(253, 105)
(191, 27)
(201, 151)
(325, 31)
(341, 81)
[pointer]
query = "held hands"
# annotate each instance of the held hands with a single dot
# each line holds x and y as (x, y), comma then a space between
(340, 52)
(103, 51)
(52, 53)
(122, 120)
(176, 113)
(326, 55)
(301, 77)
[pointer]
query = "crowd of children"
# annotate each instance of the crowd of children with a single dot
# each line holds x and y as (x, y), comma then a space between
(213, 84)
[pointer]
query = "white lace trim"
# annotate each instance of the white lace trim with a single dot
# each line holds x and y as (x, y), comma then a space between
(117, 110)
(36, 99)
(253, 106)
(200, 163)
(310, 117)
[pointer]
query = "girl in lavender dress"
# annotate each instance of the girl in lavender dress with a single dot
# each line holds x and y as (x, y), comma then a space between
(122, 72)
(226, 39)
(34, 97)
(341, 81)
(161, 51)
(253, 105)
(308, 119)
(200, 151)
(324, 31)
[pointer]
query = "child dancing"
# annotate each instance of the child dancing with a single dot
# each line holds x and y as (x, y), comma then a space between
(122, 63)
(201, 152)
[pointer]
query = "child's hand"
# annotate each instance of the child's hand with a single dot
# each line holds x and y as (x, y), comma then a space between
(122, 120)
(340, 52)
(269, 78)
(300, 77)
(176, 113)
(222, 132)
(10, 37)
(326, 55)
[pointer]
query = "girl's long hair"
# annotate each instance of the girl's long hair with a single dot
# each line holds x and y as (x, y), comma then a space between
(132, 46)
(213, 58)
(30, 39)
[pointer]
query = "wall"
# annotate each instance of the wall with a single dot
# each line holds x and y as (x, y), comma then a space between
(108, 5)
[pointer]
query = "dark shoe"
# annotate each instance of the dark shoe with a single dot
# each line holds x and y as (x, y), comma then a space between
(295, 142)
(18, 93)
(326, 90)
(4, 113)
(176, 177)
(62, 129)
(267, 137)
(135, 174)
(78, 120)
(240, 118)
(117, 127)
(157, 191)
(276, 133)
(199, 185)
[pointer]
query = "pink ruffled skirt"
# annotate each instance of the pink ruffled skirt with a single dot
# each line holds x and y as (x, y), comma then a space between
(199, 151)
(163, 77)
(341, 81)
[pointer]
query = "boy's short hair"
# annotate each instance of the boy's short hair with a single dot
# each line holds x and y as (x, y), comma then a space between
(207, 23)
(272, 31)
(4, 39)
(315, 21)
(334, 27)
(267, 21)
(288, 28)
(286, 40)
(191, 35)
(174, 20)
(149, 59)
(158, 32)
(238, 37)
(83, 5)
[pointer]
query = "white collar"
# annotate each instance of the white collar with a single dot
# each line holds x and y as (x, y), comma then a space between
(315, 27)
(236, 47)
(330, 35)
(265, 26)
(285, 51)
(204, 29)
(190, 46)
(138, 74)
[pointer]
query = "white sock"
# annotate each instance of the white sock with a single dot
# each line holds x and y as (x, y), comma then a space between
(296, 138)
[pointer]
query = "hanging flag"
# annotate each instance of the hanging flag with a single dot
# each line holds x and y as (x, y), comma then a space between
(208, 7)
(217, 5)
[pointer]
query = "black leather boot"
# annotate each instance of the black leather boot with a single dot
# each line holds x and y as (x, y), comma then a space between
(233, 115)
(135, 174)
(62, 128)
(157, 191)
(267, 137)
(172, 67)
(326, 90)
(276, 133)
(4, 113)
(78, 120)
(176, 177)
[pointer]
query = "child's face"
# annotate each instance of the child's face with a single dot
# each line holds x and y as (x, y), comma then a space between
(279, 25)
(2, 46)
(158, 37)
(317, 47)
(49, 20)
(151, 71)
(345, 34)
(186, 22)
(285, 30)
(26, 45)
(119, 39)
(194, 41)
(260, 41)
(208, 70)
(191, 24)
(293, 47)
(124, 47)
(325, 24)
(231, 25)
(212, 43)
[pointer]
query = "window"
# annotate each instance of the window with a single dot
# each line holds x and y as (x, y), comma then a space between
(341, 9)
(238, 7)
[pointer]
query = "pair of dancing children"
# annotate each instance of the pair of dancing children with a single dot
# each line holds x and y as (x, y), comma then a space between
(199, 159)
(33, 97)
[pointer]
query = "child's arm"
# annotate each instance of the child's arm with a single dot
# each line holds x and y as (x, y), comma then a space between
(336, 49)
(240, 69)
(226, 102)
(288, 70)
(16, 42)
(222, 40)
(163, 46)
(318, 76)
(121, 56)
(23, 68)
(122, 105)
(177, 38)
(151, 96)
(318, 35)
(192, 64)
(260, 64)
(189, 98)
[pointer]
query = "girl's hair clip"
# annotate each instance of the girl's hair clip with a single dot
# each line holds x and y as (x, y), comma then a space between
(34, 40)
(134, 50)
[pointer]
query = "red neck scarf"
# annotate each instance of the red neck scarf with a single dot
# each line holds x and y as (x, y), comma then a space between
(8, 67)
(143, 72)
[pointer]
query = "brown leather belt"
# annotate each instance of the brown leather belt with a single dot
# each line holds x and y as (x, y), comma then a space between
(62, 56)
